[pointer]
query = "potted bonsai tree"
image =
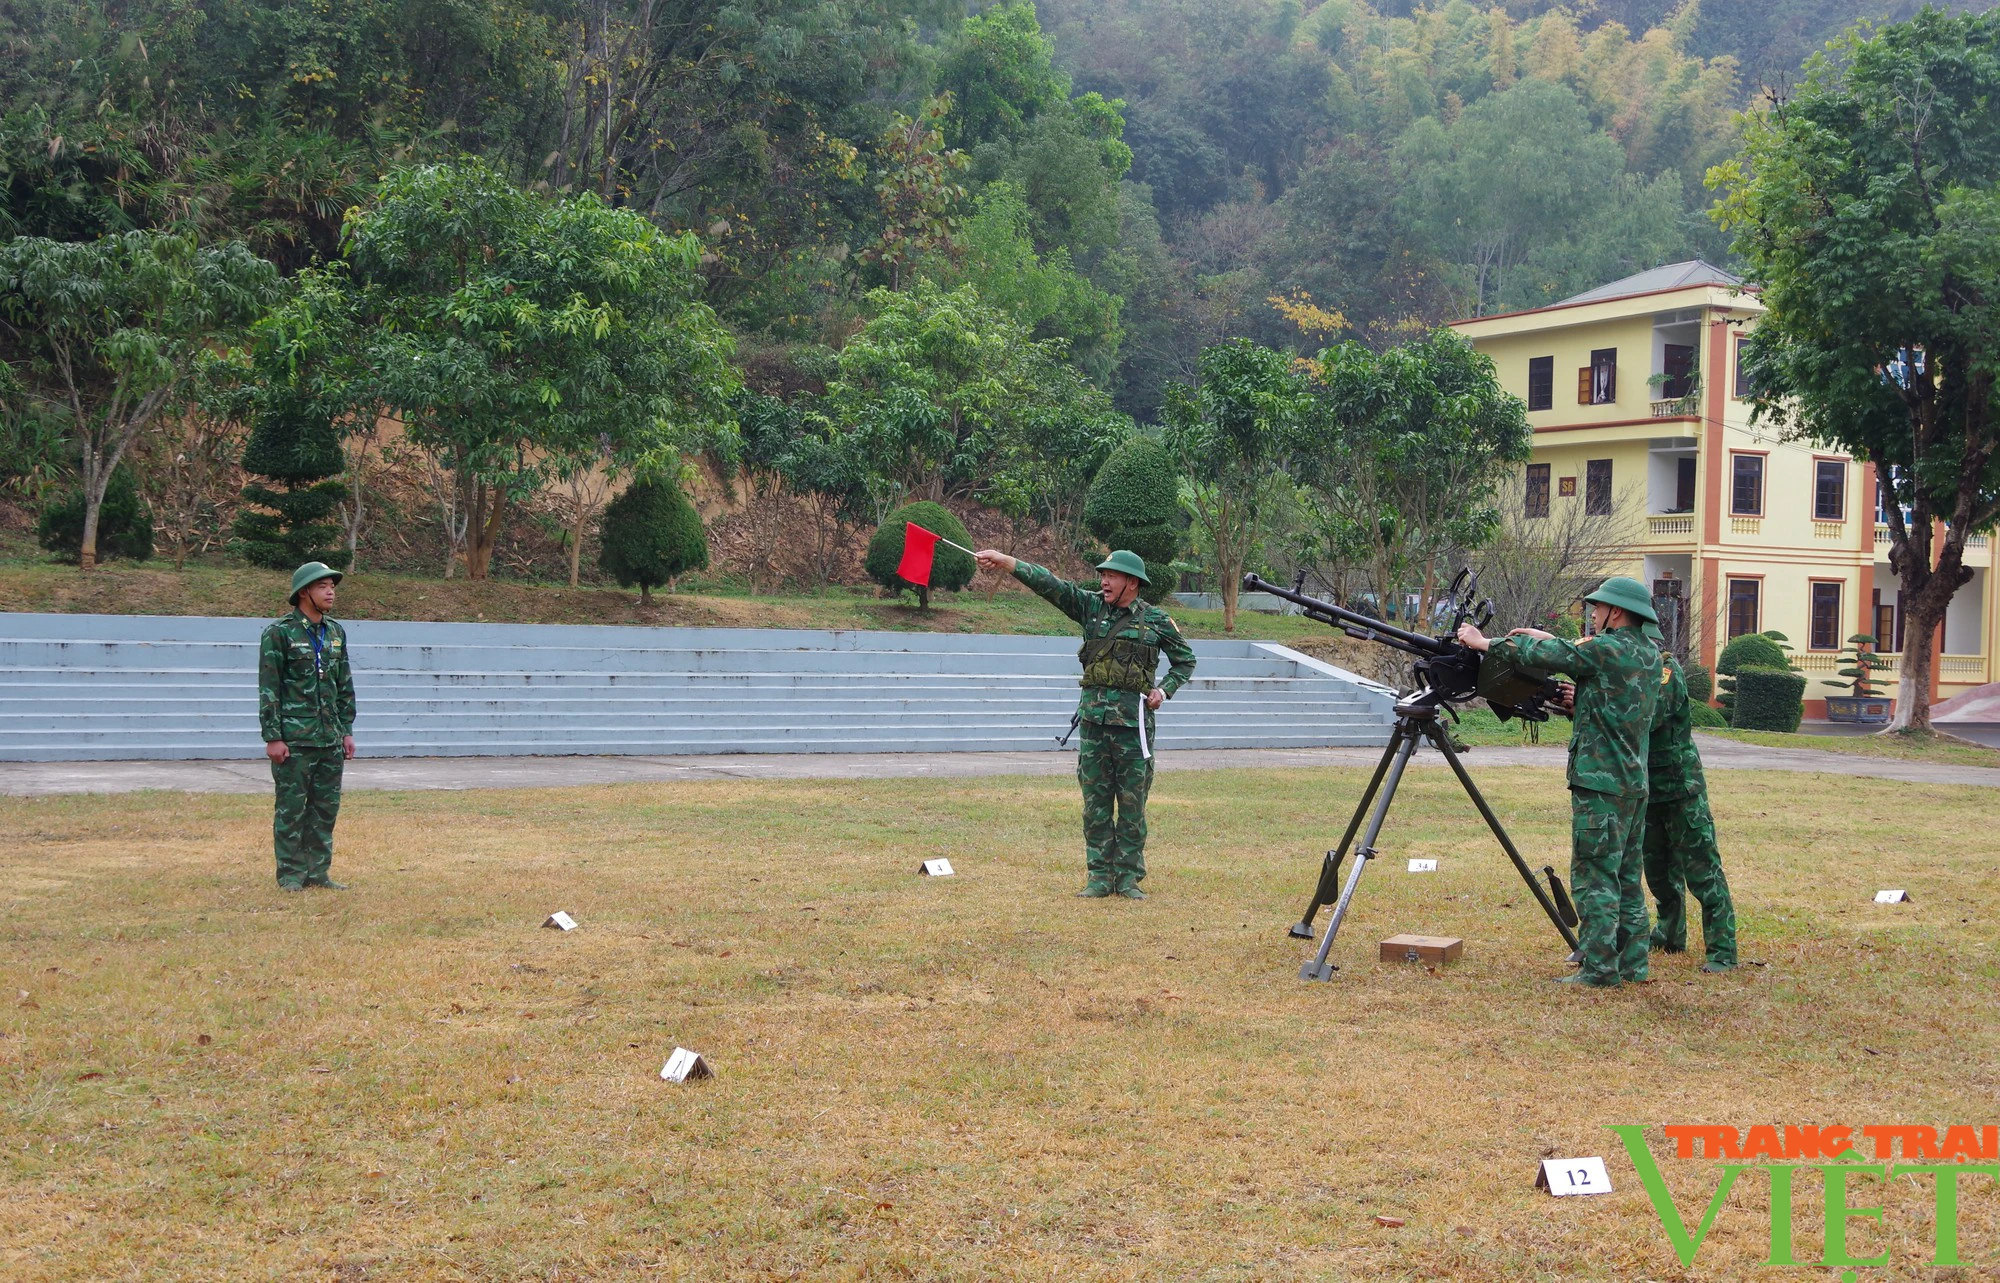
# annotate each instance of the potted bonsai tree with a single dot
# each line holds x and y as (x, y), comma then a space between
(1861, 663)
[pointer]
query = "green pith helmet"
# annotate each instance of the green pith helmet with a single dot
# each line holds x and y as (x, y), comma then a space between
(1628, 594)
(1129, 563)
(308, 575)
(1653, 633)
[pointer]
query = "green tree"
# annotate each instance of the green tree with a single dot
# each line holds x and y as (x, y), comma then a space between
(1404, 454)
(1229, 433)
(520, 337)
(938, 393)
(919, 192)
(1044, 293)
(1000, 71)
(124, 523)
(950, 568)
(1135, 503)
(651, 536)
(1867, 205)
(106, 333)
(297, 446)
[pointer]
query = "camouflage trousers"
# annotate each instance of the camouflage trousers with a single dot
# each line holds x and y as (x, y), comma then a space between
(1115, 780)
(308, 795)
(1681, 853)
(1606, 858)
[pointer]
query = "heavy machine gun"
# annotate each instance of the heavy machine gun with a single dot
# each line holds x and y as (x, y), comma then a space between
(1447, 673)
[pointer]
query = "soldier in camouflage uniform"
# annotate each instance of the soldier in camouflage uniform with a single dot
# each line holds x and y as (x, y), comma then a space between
(1123, 638)
(305, 706)
(1680, 835)
(1617, 674)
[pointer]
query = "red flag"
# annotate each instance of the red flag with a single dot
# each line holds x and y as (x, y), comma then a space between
(919, 547)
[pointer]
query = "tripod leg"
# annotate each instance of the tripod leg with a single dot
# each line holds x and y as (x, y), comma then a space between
(1439, 737)
(1319, 968)
(1329, 870)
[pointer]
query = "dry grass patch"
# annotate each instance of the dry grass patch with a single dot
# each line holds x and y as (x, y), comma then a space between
(976, 1077)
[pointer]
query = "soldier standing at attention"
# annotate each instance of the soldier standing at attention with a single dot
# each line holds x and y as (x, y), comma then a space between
(1122, 641)
(1617, 673)
(1680, 834)
(305, 706)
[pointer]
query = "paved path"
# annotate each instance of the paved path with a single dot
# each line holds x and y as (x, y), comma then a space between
(34, 778)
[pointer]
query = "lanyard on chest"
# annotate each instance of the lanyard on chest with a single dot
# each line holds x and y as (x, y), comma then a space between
(317, 636)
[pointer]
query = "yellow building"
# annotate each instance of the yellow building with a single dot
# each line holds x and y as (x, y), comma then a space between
(1637, 402)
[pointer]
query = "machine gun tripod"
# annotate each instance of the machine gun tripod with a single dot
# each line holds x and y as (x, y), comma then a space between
(1446, 673)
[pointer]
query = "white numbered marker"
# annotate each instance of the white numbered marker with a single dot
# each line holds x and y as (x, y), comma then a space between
(1563, 1177)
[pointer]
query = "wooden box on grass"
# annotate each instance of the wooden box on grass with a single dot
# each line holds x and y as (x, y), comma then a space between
(1433, 950)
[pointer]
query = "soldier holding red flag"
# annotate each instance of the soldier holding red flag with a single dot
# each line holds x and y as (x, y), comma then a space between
(1123, 639)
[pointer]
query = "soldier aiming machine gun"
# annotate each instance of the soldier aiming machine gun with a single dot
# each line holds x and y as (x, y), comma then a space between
(1447, 674)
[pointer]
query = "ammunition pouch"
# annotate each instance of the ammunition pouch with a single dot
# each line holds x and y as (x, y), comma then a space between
(1508, 686)
(1119, 663)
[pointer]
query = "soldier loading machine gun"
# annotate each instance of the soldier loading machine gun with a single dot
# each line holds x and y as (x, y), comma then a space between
(1447, 674)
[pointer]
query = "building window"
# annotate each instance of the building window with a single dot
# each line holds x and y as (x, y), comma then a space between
(1743, 594)
(1744, 388)
(1541, 382)
(1597, 383)
(1825, 615)
(1684, 485)
(1746, 487)
(1597, 487)
(1829, 490)
(1538, 490)
(1677, 361)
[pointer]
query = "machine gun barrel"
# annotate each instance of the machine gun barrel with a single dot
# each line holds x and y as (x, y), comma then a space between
(1353, 623)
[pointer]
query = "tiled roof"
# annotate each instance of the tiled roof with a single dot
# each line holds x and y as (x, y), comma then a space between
(1672, 276)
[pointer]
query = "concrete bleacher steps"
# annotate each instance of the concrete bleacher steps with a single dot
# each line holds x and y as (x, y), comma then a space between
(108, 687)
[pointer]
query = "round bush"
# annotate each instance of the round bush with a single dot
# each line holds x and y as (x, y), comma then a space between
(1137, 486)
(950, 568)
(651, 535)
(1700, 688)
(1768, 699)
(1752, 650)
(1134, 503)
(1703, 715)
(124, 522)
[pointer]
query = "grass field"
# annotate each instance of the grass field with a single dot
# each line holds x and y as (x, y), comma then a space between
(1905, 746)
(976, 1077)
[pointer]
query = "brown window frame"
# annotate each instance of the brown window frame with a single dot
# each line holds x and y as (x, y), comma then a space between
(1534, 487)
(1820, 463)
(1597, 497)
(1756, 584)
(1744, 390)
(1541, 382)
(1763, 458)
(1605, 358)
(1813, 587)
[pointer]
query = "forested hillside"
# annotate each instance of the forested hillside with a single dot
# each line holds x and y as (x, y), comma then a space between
(946, 251)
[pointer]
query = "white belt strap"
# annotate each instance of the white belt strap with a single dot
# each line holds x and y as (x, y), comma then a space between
(1144, 751)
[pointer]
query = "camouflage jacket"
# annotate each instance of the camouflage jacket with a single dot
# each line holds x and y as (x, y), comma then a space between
(305, 694)
(1673, 766)
(1141, 623)
(1617, 677)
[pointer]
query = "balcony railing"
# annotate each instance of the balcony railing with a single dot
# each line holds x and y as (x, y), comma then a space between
(1828, 529)
(1745, 525)
(1881, 534)
(1671, 524)
(1962, 668)
(1680, 407)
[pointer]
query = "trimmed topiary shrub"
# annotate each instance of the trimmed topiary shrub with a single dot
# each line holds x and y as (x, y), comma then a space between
(1134, 503)
(1703, 715)
(297, 447)
(651, 535)
(1699, 685)
(1769, 699)
(124, 522)
(950, 569)
(1751, 650)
